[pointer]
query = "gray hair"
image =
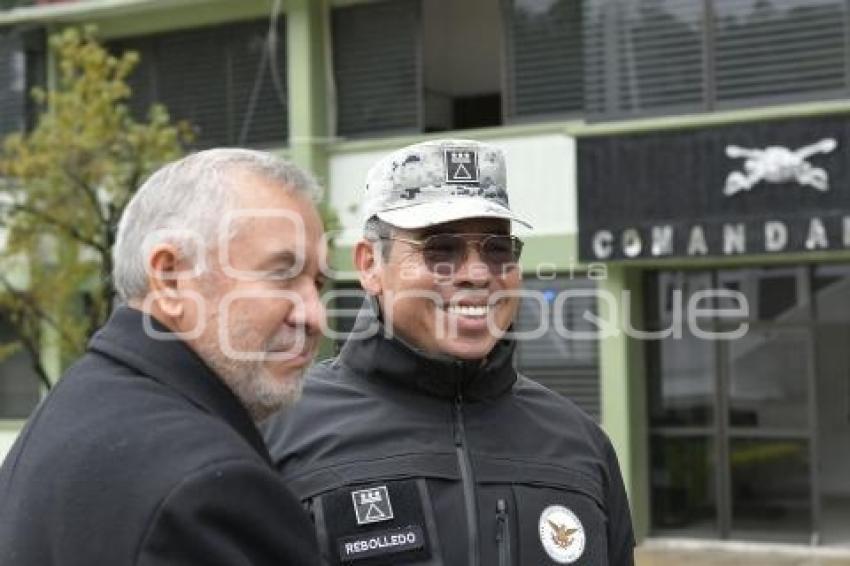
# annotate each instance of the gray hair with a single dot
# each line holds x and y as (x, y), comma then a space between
(187, 197)
(379, 233)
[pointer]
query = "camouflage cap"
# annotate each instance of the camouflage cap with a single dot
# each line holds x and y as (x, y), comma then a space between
(438, 181)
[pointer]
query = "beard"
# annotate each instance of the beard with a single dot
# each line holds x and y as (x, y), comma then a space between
(258, 389)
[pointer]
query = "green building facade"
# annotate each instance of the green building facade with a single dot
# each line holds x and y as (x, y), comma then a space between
(616, 118)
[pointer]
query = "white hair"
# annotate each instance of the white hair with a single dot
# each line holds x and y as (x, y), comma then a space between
(186, 198)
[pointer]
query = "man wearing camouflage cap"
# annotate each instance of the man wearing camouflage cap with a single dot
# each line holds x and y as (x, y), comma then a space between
(420, 443)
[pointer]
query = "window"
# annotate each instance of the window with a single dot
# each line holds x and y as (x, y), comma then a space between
(565, 357)
(462, 57)
(675, 56)
(545, 58)
(434, 65)
(403, 66)
(376, 67)
(782, 48)
(22, 67)
(748, 436)
(228, 81)
(19, 384)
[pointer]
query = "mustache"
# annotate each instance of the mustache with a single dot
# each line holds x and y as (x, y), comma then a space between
(299, 340)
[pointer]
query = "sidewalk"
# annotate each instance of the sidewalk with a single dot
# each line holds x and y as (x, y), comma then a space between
(667, 552)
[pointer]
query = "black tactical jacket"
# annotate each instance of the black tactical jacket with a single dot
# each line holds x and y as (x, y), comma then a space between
(141, 456)
(406, 459)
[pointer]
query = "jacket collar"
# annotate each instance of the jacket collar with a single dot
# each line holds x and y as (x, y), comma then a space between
(378, 357)
(171, 362)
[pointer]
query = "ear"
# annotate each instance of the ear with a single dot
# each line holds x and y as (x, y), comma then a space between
(164, 267)
(369, 265)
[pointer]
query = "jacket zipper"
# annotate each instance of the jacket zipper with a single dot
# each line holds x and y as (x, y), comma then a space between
(503, 533)
(467, 481)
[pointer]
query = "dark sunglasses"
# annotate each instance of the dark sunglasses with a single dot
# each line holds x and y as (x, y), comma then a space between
(446, 253)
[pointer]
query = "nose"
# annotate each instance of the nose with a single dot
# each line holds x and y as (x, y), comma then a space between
(473, 272)
(309, 313)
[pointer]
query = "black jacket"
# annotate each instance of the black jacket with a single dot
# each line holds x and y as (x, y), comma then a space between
(142, 456)
(405, 459)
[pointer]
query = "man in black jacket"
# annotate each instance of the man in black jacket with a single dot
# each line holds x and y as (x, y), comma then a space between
(420, 444)
(146, 452)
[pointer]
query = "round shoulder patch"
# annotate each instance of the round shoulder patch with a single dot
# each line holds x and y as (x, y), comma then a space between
(561, 534)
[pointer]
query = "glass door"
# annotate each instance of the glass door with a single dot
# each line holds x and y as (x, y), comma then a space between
(767, 449)
(832, 477)
(750, 437)
(831, 293)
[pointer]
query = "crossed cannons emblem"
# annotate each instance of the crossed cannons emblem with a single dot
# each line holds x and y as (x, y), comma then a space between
(777, 164)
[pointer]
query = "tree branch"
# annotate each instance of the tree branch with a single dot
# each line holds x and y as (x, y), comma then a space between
(27, 303)
(89, 192)
(35, 357)
(65, 227)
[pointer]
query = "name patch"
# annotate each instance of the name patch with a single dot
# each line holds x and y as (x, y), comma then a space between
(381, 543)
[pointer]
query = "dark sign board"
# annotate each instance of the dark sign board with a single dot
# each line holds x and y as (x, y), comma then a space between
(749, 188)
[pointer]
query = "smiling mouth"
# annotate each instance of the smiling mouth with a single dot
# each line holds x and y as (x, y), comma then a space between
(468, 310)
(478, 307)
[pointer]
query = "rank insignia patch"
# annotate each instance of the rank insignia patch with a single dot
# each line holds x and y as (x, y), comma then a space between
(461, 165)
(372, 505)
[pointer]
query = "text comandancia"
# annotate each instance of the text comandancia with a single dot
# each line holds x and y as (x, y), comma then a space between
(658, 240)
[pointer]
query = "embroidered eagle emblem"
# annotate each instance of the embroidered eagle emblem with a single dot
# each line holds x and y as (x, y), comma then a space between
(561, 535)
